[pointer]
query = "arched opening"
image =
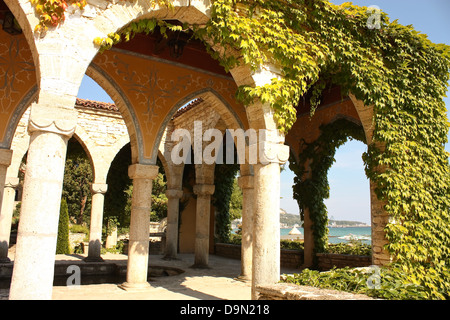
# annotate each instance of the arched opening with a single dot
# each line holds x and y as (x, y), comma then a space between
(78, 177)
(349, 202)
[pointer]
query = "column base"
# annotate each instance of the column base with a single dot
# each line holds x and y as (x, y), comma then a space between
(134, 287)
(200, 266)
(170, 258)
(5, 260)
(243, 278)
(93, 259)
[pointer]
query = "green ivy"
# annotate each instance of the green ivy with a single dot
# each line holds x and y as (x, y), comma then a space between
(393, 68)
(224, 176)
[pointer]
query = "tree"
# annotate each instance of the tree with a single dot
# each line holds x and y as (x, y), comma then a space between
(62, 244)
(77, 182)
(159, 198)
(236, 201)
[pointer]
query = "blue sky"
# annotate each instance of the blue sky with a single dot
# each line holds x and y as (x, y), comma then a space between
(349, 188)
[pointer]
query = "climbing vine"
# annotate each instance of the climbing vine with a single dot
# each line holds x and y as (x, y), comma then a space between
(224, 176)
(391, 67)
(52, 12)
(311, 167)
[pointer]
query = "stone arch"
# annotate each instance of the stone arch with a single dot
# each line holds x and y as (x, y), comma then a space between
(120, 100)
(260, 116)
(83, 139)
(365, 114)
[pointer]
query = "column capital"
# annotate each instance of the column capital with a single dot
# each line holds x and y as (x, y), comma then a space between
(174, 193)
(51, 118)
(204, 189)
(142, 171)
(99, 187)
(5, 157)
(271, 152)
(246, 182)
(11, 182)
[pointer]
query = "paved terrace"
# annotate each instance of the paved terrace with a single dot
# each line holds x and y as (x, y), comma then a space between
(215, 283)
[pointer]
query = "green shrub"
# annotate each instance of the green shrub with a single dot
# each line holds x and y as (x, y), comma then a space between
(355, 248)
(78, 228)
(292, 245)
(62, 244)
(391, 282)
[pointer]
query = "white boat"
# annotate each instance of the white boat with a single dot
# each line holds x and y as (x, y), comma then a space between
(294, 231)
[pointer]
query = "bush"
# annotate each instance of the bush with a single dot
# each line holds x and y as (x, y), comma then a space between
(355, 248)
(78, 228)
(62, 244)
(391, 282)
(292, 245)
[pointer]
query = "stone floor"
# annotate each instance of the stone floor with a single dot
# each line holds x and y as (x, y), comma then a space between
(215, 283)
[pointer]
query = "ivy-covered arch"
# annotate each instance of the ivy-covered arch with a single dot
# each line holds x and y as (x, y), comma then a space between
(311, 167)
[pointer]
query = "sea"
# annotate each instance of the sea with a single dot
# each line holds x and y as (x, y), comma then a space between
(342, 234)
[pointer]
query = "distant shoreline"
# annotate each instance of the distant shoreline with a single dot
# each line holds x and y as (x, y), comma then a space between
(351, 226)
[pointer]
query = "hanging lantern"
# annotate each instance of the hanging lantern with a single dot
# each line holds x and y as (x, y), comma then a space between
(10, 24)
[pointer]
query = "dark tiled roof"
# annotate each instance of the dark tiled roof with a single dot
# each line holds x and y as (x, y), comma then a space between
(188, 107)
(96, 105)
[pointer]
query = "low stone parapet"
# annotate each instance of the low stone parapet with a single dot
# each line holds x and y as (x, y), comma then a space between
(288, 258)
(288, 291)
(327, 261)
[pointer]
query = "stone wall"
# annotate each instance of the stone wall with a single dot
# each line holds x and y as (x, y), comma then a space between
(327, 261)
(287, 291)
(294, 258)
(288, 258)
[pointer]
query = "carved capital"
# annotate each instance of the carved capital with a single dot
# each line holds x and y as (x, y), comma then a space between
(270, 152)
(5, 157)
(11, 182)
(99, 188)
(204, 189)
(246, 182)
(142, 171)
(53, 119)
(174, 193)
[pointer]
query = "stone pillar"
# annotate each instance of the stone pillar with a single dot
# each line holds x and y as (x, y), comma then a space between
(50, 127)
(173, 204)
(202, 220)
(95, 232)
(308, 237)
(379, 220)
(246, 183)
(7, 210)
(308, 240)
(5, 217)
(266, 214)
(138, 246)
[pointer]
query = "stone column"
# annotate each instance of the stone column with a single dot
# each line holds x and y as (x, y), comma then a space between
(173, 204)
(50, 127)
(95, 232)
(246, 183)
(5, 217)
(379, 220)
(308, 237)
(266, 219)
(138, 246)
(7, 210)
(202, 220)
